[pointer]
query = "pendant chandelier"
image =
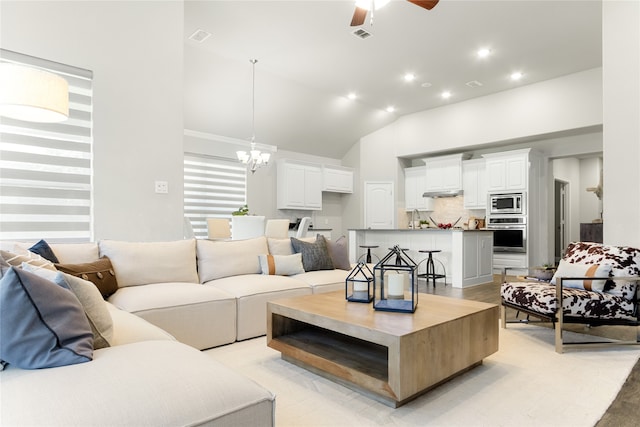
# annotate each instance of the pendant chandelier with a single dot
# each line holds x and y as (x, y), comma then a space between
(254, 159)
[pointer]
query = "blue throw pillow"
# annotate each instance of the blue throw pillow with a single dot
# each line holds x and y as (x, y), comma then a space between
(42, 324)
(43, 249)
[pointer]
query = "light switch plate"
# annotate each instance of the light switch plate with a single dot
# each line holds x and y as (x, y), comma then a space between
(162, 187)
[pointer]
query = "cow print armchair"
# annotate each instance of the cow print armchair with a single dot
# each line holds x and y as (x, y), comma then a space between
(599, 285)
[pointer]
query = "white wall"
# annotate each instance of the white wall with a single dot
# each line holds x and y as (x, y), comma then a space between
(569, 102)
(135, 52)
(621, 109)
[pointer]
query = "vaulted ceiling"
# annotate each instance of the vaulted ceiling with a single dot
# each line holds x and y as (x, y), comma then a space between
(309, 60)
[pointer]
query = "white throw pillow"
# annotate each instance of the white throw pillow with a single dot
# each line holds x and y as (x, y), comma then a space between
(230, 258)
(281, 265)
(567, 269)
(138, 263)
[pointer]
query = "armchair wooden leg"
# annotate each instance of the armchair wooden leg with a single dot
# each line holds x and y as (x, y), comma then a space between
(559, 316)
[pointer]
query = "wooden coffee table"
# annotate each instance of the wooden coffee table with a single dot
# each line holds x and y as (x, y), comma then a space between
(391, 357)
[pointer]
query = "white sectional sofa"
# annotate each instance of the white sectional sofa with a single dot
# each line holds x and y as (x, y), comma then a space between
(184, 295)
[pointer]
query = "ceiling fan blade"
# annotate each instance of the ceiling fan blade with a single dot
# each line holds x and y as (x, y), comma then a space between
(426, 4)
(358, 17)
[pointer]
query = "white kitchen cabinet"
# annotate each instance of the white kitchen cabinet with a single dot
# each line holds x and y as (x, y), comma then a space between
(337, 179)
(299, 185)
(414, 186)
(444, 173)
(474, 184)
(477, 265)
(507, 171)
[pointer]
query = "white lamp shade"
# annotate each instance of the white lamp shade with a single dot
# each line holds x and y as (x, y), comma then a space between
(33, 95)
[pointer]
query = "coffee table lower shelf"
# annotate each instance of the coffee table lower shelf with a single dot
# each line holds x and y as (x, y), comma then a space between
(388, 368)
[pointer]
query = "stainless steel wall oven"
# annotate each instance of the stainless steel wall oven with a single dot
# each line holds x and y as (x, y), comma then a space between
(509, 233)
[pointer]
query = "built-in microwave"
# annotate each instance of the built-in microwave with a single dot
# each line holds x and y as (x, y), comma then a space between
(506, 203)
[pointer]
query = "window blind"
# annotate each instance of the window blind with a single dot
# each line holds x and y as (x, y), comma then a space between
(46, 168)
(213, 188)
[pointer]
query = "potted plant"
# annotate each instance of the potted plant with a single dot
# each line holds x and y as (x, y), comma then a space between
(242, 211)
(424, 223)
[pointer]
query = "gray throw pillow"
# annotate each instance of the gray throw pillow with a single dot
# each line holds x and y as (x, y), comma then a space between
(42, 325)
(315, 256)
(339, 252)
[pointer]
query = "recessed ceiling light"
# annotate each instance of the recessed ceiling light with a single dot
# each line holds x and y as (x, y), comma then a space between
(391, 109)
(446, 94)
(409, 77)
(352, 95)
(484, 52)
(516, 76)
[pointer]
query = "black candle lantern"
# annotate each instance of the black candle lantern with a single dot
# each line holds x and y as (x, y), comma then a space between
(358, 284)
(395, 285)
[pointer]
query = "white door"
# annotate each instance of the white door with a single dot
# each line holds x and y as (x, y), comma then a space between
(379, 205)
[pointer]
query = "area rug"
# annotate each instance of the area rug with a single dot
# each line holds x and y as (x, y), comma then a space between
(526, 383)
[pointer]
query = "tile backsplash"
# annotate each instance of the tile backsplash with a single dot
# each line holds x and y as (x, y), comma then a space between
(449, 209)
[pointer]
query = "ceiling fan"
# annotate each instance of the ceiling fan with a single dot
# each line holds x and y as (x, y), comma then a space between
(363, 6)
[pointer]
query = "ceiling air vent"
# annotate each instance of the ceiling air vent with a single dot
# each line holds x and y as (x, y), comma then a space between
(199, 36)
(473, 83)
(363, 34)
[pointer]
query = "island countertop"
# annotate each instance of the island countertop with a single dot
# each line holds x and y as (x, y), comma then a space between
(418, 229)
(465, 256)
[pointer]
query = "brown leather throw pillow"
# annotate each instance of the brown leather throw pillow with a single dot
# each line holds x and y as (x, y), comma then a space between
(99, 272)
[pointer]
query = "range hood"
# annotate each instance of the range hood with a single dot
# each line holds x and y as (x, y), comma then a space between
(444, 193)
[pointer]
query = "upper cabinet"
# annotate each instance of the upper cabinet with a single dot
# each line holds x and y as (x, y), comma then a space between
(443, 173)
(474, 184)
(414, 186)
(508, 170)
(337, 179)
(299, 185)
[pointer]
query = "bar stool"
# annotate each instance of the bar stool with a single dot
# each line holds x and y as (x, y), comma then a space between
(368, 254)
(430, 273)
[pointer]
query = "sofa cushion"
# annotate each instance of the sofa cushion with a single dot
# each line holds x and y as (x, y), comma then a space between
(281, 265)
(129, 328)
(100, 273)
(230, 258)
(150, 383)
(280, 246)
(137, 263)
(566, 269)
(252, 292)
(541, 298)
(43, 249)
(42, 324)
(324, 280)
(91, 300)
(315, 256)
(75, 253)
(197, 315)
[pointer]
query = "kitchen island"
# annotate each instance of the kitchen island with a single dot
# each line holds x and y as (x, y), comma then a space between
(467, 255)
